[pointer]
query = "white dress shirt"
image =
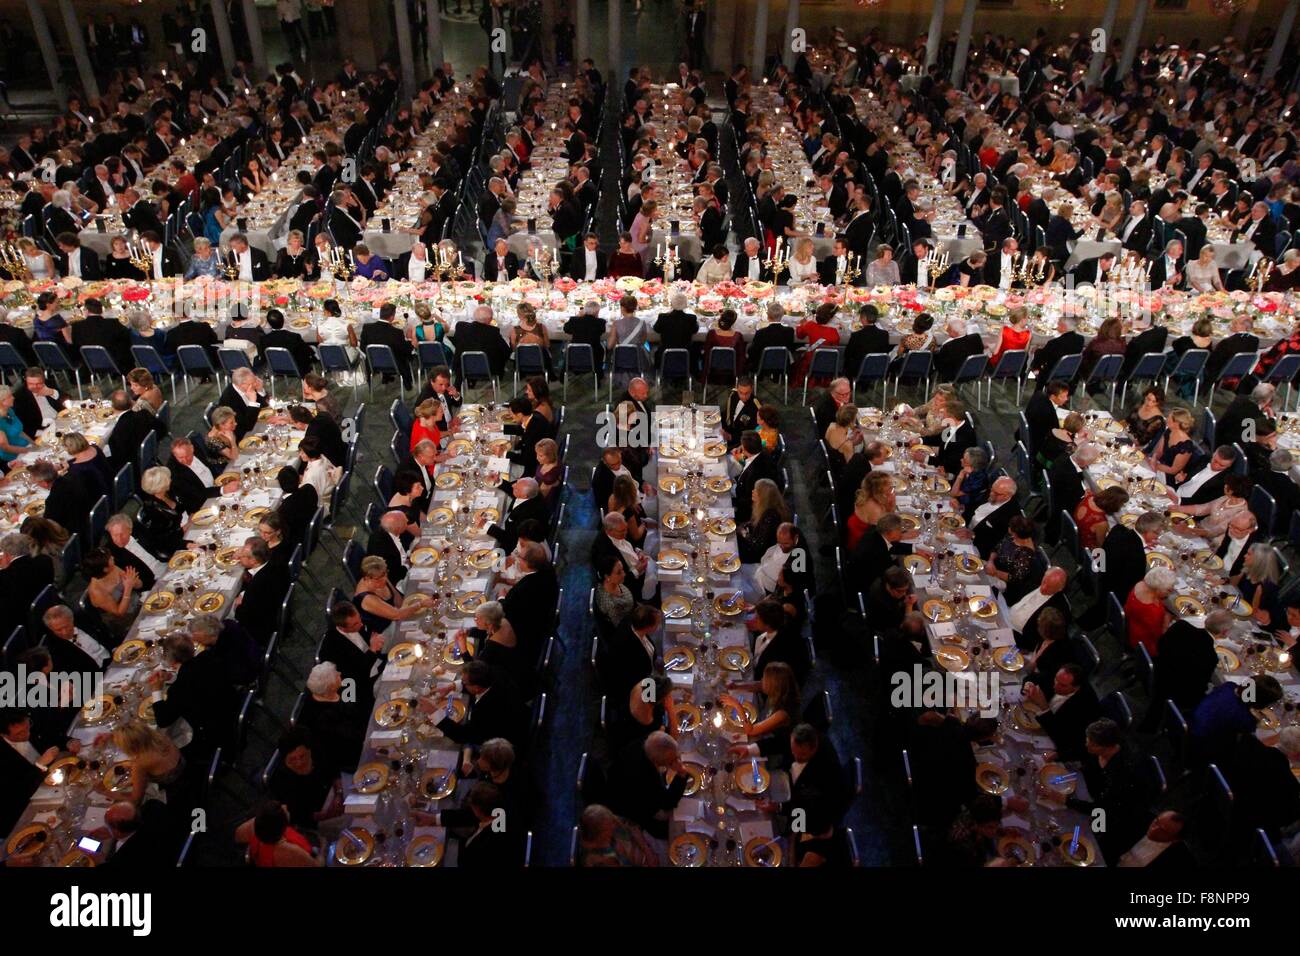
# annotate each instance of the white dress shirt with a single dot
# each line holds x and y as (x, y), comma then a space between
(1143, 852)
(589, 265)
(983, 511)
(1020, 613)
(147, 559)
(415, 269)
(355, 638)
(245, 260)
(1004, 274)
(1235, 547)
(24, 747)
(95, 650)
(48, 412)
(1193, 484)
(202, 471)
(157, 256)
(74, 262)
(769, 568)
(762, 641)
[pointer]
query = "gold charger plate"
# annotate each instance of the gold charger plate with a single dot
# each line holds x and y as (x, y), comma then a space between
(1188, 606)
(1016, 846)
(983, 607)
(77, 857)
(709, 419)
(448, 479)
(916, 563)
(393, 713)
(992, 778)
(969, 564)
(438, 782)
(1228, 659)
(1084, 854)
(729, 607)
(1208, 560)
(204, 516)
(726, 563)
(1158, 559)
(714, 449)
(1009, 659)
(952, 658)
(688, 850)
(938, 611)
(469, 602)
(1024, 720)
(1151, 486)
(733, 659)
(486, 516)
(676, 449)
(718, 485)
(354, 847)
(459, 446)
(483, 559)
(35, 509)
(680, 658)
(370, 778)
(745, 782)
(672, 485)
(116, 779)
(1236, 604)
(676, 607)
(694, 776)
(952, 522)
(183, 560)
(210, 602)
(265, 413)
(722, 526)
(676, 520)
(424, 557)
(498, 447)
(226, 477)
(764, 852)
(159, 601)
(145, 710)
(935, 485)
(426, 850)
(64, 770)
(452, 657)
(1050, 778)
(405, 654)
(128, 652)
(98, 709)
(733, 717)
(910, 523)
(228, 557)
(689, 718)
(1182, 518)
(31, 840)
(672, 559)
(251, 517)
(252, 441)
(440, 516)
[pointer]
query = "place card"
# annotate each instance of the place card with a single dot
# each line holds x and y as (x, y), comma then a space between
(358, 804)
(396, 675)
(442, 760)
(385, 738)
(688, 808)
(980, 590)
(94, 818)
(752, 829)
(942, 629)
(1001, 637)
(500, 465)
(741, 804)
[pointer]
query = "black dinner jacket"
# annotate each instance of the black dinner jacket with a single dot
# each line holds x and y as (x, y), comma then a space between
(492, 269)
(1184, 665)
(869, 340)
(740, 270)
(526, 454)
(302, 354)
(28, 412)
(622, 663)
(1126, 562)
(529, 606)
(190, 493)
(110, 333)
(498, 713)
(638, 792)
(948, 360)
(245, 415)
(259, 611)
(353, 663)
(762, 467)
(507, 533)
(1045, 359)
(479, 337)
(381, 545)
(988, 534)
(297, 510)
(1067, 726)
(90, 268)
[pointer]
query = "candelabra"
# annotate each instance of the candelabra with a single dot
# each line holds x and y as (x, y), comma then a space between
(141, 258)
(936, 264)
(14, 262)
(1259, 274)
(340, 264)
(446, 266)
(669, 259)
(1027, 270)
(852, 269)
(778, 261)
(543, 266)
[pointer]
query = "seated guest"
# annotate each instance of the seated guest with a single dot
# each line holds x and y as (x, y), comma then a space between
(72, 650)
(127, 552)
(379, 601)
(889, 599)
(1109, 340)
(245, 396)
(642, 574)
(740, 412)
(143, 388)
(1017, 562)
(843, 436)
(355, 650)
(606, 839)
(257, 607)
(302, 784)
(1052, 651)
(1115, 787)
(160, 520)
(222, 440)
(89, 466)
(1163, 846)
(970, 487)
(987, 523)
(497, 710)
(298, 506)
(392, 542)
(66, 502)
(1094, 513)
(337, 726)
(613, 600)
(1227, 712)
(23, 575)
(192, 481)
(878, 549)
(759, 533)
(760, 577)
(24, 761)
(1217, 515)
(1147, 422)
(1186, 660)
(528, 505)
(489, 847)
(637, 787)
(780, 709)
(152, 758)
(317, 470)
(428, 419)
(1050, 593)
(281, 338)
(114, 592)
(35, 403)
(1065, 710)
(272, 841)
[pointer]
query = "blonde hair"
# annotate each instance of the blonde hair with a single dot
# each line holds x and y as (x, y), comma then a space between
(769, 499)
(1183, 419)
(136, 738)
(222, 414)
(373, 567)
(155, 480)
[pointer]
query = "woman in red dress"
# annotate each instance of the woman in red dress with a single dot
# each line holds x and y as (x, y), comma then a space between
(272, 841)
(1015, 334)
(818, 333)
(427, 416)
(1145, 611)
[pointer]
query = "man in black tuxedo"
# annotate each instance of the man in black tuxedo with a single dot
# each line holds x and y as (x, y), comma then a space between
(1135, 232)
(298, 506)
(489, 849)
(1276, 480)
(35, 403)
(1148, 340)
(676, 329)
(837, 394)
(501, 265)
(1067, 342)
(192, 480)
(281, 338)
(246, 397)
(626, 656)
(1186, 661)
(957, 435)
(528, 505)
(392, 542)
(638, 786)
(481, 336)
(164, 263)
(774, 335)
(139, 214)
(529, 605)
(1243, 531)
(23, 762)
(987, 523)
(876, 552)
(1241, 340)
(74, 259)
(749, 463)
(194, 331)
(868, 340)
(1206, 484)
(95, 329)
(66, 503)
(258, 606)
(143, 837)
(496, 711)
(127, 552)
(203, 693)
(588, 328)
(1066, 720)
(818, 786)
(1169, 269)
(960, 346)
(382, 332)
(1254, 408)
(21, 343)
(72, 649)
(356, 651)
(1261, 230)
(588, 263)
(252, 263)
(861, 225)
(748, 263)
(1095, 270)
(1162, 847)
(532, 427)
(1125, 550)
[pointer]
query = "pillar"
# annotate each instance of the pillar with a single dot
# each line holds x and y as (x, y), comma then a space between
(1279, 41)
(934, 37)
(615, 80)
(224, 39)
(1133, 38)
(255, 42)
(963, 41)
(791, 23)
(78, 43)
(45, 41)
(435, 34)
(405, 52)
(1098, 61)
(582, 42)
(759, 55)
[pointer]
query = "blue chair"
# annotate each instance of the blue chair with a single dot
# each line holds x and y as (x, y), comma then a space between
(1066, 368)
(280, 361)
(972, 370)
(626, 360)
(1116, 706)
(195, 361)
(1011, 364)
(579, 359)
(825, 364)
(352, 555)
(874, 368)
(529, 360)
(474, 366)
(381, 361)
(722, 360)
(334, 359)
(1190, 366)
(775, 360)
(432, 354)
(1148, 368)
(1286, 370)
(1239, 365)
(383, 483)
(1264, 508)
(53, 359)
(147, 456)
(70, 557)
(232, 359)
(123, 487)
(675, 365)
(97, 521)
(1106, 371)
(148, 358)
(10, 360)
(1116, 620)
(915, 367)
(401, 417)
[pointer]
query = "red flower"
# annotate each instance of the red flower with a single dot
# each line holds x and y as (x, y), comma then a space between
(136, 293)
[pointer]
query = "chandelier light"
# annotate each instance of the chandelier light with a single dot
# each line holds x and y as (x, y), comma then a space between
(1227, 8)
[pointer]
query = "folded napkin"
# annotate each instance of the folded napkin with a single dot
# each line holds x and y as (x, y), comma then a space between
(396, 675)
(384, 738)
(442, 759)
(359, 804)
(688, 808)
(1001, 637)
(94, 818)
(755, 828)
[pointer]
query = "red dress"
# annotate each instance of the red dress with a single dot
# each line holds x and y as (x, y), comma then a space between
(1146, 622)
(854, 529)
(818, 336)
(419, 433)
(1011, 340)
(263, 854)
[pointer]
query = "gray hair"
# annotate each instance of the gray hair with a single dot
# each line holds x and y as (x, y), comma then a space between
(660, 747)
(1219, 621)
(1161, 579)
(591, 307)
(678, 300)
(240, 376)
(323, 677)
(611, 522)
(1263, 393)
(1149, 521)
(528, 486)
(18, 545)
(490, 611)
(1087, 453)
(775, 311)
(206, 624)
(155, 480)
(120, 521)
(1281, 460)
(979, 458)
(1261, 564)
(59, 612)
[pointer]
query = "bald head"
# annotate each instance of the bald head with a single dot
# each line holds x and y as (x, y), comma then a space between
(1054, 581)
(1002, 490)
